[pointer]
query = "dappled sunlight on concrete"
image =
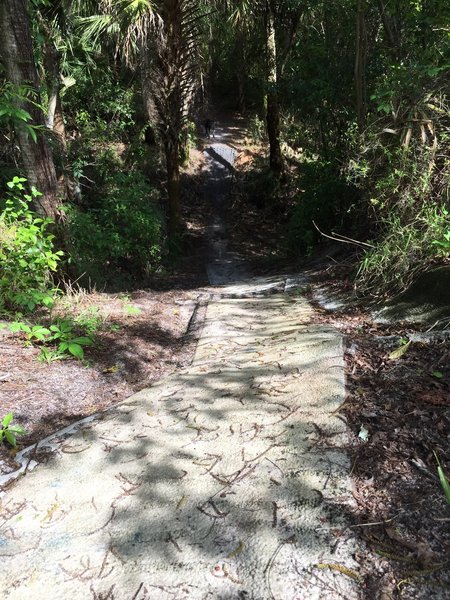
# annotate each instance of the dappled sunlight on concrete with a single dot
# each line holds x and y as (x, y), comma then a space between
(225, 480)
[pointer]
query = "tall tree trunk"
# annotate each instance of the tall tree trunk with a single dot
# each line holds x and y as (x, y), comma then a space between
(273, 104)
(147, 93)
(55, 118)
(17, 50)
(360, 65)
(171, 68)
(240, 69)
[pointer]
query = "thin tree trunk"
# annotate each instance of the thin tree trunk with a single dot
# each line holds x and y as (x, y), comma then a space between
(240, 69)
(16, 48)
(391, 31)
(360, 65)
(273, 104)
(147, 94)
(173, 187)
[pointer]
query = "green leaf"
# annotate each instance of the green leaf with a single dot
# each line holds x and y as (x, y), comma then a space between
(7, 419)
(21, 114)
(76, 350)
(445, 483)
(31, 131)
(438, 374)
(17, 429)
(48, 301)
(34, 193)
(82, 341)
(10, 437)
(400, 351)
(39, 330)
(65, 327)
(443, 479)
(19, 326)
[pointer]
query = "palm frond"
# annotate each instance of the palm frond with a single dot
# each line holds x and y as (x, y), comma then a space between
(94, 27)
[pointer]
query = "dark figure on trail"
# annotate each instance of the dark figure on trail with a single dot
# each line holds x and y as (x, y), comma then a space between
(210, 128)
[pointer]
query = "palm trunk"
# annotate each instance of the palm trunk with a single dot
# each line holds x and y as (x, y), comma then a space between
(273, 104)
(16, 48)
(172, 108)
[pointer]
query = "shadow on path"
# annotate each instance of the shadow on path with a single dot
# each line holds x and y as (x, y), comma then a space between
(226, 480)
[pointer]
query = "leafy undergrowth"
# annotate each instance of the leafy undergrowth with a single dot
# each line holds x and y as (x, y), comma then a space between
(398, 408)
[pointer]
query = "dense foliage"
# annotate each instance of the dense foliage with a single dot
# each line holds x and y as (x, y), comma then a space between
(370, 98)
(28, 257)
(122, 232)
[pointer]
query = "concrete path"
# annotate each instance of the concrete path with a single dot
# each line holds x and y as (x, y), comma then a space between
(223, 481)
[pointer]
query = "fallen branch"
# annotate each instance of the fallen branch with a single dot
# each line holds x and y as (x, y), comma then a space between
(342, 238)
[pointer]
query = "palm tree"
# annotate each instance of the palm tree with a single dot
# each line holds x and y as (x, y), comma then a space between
(160, 37)
(174, 71)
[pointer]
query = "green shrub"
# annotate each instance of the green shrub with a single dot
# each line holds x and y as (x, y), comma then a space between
(403, 251)
(9, 431)
(60, 334)
(122, 234)
(256, 128)
(324, 200)
(262, 187)
(406, 191)
(27, 254)
(98, 104)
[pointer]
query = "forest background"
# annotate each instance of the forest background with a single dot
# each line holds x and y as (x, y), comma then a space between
(101, 102)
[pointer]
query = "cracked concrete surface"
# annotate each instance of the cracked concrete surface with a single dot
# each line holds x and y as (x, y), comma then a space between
(225, 480)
